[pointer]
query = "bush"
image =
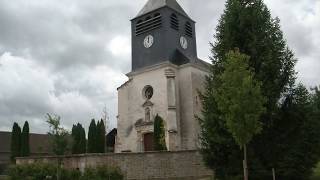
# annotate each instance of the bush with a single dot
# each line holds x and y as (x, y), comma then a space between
(102, 173)
(49, 171)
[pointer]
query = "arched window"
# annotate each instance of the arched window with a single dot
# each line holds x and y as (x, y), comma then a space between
(174, 22)
(188, 29)
(147, 114)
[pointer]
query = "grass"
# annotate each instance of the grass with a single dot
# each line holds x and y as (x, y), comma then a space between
(316, 175)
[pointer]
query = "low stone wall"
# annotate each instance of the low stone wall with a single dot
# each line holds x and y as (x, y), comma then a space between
(152, 165)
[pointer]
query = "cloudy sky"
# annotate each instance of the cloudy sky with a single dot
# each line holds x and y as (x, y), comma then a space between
(67, 57)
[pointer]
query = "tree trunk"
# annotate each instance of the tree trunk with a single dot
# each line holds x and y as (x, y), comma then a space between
(273, 174)
(245, 165)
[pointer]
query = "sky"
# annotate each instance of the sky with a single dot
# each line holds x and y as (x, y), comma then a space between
(68, 57)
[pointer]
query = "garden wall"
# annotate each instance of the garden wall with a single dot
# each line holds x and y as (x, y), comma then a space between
(152, 165)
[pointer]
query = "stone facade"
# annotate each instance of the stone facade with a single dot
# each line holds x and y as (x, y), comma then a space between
(152, 165)
(175, 98)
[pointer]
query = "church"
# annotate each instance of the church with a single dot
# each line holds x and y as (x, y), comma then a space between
(165, 80)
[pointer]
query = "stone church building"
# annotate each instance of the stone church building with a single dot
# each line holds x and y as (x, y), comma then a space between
(165, 79)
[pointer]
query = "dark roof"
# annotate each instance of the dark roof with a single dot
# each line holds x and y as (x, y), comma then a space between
(156, 4)
(111, 137)
(39, 143)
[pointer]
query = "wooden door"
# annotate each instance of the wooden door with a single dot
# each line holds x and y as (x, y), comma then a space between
(148, 142)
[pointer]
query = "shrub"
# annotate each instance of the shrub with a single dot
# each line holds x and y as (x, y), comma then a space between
(102, 173)
(49, 171)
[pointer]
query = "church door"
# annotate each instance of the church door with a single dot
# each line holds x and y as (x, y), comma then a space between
(148, 142)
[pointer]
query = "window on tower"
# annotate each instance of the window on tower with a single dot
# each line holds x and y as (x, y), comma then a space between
(188, 29)
(148, 24)
(174, 22)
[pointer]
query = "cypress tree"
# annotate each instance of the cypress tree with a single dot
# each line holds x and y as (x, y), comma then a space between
(15, 141)
(79, 139)
(159, 134)
(247, 25)
(25, 144)
(83, 141)
(101, 137)
(92, 137)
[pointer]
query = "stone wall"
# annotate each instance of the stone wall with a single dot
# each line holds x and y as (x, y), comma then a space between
(152, 165)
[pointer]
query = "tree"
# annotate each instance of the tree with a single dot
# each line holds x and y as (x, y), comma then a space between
(240, 100)
(83, 140)
(58, 135)
(25, 144)
(159, 134)
(92, 137)
(79, 139)
(101, 137)
(248, 25)
(15, 141)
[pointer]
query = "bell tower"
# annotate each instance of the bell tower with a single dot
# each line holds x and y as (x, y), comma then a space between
(164, 82)
(162, 32)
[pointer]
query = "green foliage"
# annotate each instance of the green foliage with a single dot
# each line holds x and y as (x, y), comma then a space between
(25, 144)
(92, 137)
(102, 173)
(159, 134)
(79, 139)
(249, 26)
(299, 148)
(239, 98)
(49, 171)
(101, 137)
(15, 141)
(58, 135)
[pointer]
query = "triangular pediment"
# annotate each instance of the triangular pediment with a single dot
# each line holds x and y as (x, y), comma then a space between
(147, 104)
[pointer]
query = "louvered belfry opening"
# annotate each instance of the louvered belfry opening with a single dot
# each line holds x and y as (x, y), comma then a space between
(189, 31)
(174, 22)
(148, 24)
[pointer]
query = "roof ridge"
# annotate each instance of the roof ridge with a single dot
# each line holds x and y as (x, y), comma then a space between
(152, 5)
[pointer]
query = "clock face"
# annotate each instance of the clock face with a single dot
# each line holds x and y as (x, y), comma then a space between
(183, 42)
(148, 41)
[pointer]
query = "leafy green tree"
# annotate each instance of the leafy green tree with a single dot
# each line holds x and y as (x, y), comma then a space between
(297, 148)
(15, 141)
(58, 135)
(248, 25)
(159, 134)
(240, 100)
(101, 137)
(92, 137)
(25, 144)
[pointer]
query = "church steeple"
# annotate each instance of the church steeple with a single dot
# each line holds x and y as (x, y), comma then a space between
(162, 32)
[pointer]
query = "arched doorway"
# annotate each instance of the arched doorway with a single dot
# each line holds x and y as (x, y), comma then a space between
(148, 142)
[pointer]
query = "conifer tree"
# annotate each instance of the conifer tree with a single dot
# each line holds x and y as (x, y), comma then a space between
(25, 144)
(159, 134)
(83, 141)
(79, 139)
(101, 137)
(248, 25)
(15, 141)
(92, 137)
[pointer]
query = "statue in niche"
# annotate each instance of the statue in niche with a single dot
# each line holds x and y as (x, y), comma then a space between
(147, 114)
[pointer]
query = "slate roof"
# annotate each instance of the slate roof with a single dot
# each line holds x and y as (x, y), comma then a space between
(156, 4)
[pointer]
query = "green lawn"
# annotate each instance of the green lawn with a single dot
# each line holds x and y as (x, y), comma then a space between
(316, 175)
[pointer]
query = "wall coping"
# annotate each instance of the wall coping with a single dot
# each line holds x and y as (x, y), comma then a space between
(106, 154)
